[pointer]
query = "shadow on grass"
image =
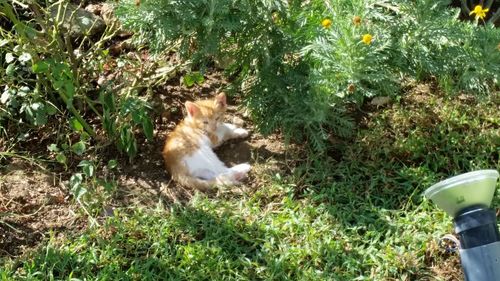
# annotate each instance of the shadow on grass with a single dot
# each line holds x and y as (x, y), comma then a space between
(376, 187)
(186, 244)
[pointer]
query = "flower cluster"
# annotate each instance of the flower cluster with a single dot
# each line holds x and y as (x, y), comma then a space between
(356, 20)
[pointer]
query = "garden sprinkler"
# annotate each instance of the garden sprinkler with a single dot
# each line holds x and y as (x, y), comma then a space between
(467, 198)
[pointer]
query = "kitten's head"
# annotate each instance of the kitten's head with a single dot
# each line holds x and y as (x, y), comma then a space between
(206, 114)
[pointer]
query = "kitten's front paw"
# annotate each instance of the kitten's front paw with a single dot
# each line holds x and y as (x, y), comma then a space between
(240, 133)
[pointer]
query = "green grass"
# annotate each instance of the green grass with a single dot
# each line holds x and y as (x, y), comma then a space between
(358, 215)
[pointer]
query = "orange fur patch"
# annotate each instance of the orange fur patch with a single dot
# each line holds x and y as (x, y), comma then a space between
(185, 139)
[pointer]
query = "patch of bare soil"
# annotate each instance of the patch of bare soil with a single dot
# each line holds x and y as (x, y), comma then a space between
(31, 205)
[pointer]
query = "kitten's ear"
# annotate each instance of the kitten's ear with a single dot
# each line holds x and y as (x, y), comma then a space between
(220, 100)
(192, 109)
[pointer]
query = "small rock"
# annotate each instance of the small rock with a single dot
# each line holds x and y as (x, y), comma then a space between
(101, 80)
(107, 13)
(78, 21)
(94, 9)
(380, 101)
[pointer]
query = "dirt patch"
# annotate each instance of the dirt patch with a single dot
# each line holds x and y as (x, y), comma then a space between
(31, 205)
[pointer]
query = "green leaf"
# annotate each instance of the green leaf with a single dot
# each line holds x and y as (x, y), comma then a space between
(188, 80)
(40, 118)
(147, 126)
(108, 186)
(75, 180)
(5, 97)
(40, 67)
(76, 187)
(127, 141)
(24, 91)
(10, 69)
(84, 136)
(112, 164)
(78, 148)
(109, 124)
(4, 42)
(136, 116)
(36, 113)
(61, 158)
(87, 167)
(24, 57)
(130, 105)
(70, 89)
(198, 78)
(124, 138)
(9, 57)
(53, 147)
(75, 124)
(51, 109)
(108, 101)
(40, 114)
(132, 148)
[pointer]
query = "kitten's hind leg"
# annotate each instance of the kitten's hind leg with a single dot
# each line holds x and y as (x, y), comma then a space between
(204, 174)
(240, 171)
(234, 175)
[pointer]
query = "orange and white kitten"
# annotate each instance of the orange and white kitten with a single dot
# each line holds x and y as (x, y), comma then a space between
(188, 150)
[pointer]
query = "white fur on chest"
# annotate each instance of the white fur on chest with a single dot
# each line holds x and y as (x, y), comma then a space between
(203, 162)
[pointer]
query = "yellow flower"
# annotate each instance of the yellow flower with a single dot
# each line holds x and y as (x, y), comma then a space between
(326, 23)
(367, 39)
(479, 11)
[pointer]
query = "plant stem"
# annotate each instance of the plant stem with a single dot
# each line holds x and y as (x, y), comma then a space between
(465, 9)
(77, 115)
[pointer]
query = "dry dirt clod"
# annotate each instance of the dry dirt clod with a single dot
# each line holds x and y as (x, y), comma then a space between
(238, 121)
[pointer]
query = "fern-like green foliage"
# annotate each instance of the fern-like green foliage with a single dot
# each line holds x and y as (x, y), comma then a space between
(298, 75)
(430, 40)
